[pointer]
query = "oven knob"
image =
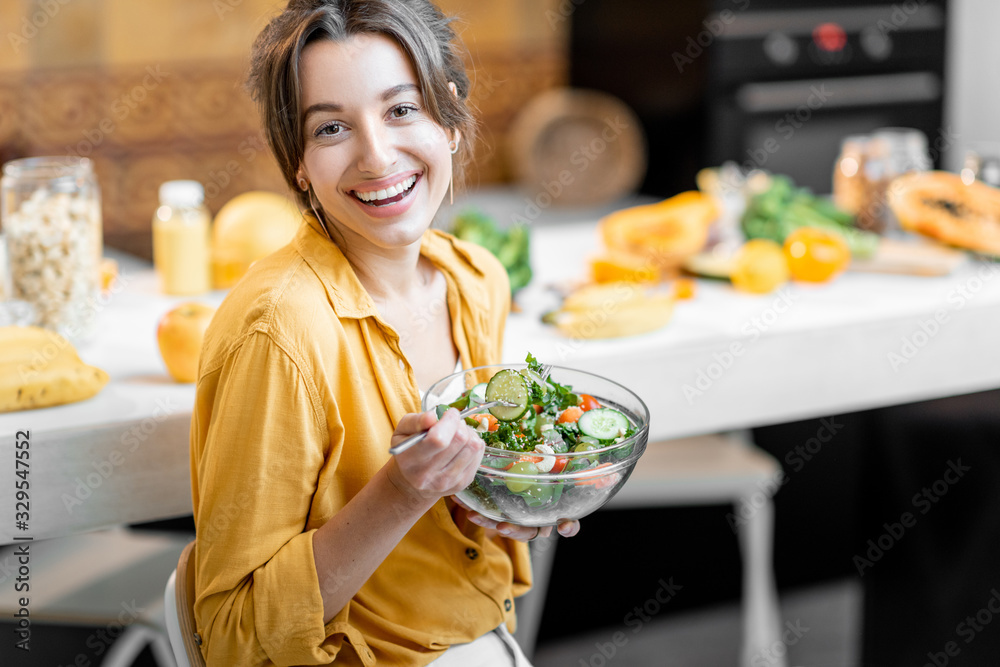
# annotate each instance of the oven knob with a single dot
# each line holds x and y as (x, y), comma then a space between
(876, 43)
(781, 49)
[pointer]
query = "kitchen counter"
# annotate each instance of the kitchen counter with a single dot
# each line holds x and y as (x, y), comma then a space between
(726, 361)
(730, 360)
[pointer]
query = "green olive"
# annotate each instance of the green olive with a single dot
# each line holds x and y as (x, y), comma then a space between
(543, 420)
(578, 463)
(537, 495)
(521, 468)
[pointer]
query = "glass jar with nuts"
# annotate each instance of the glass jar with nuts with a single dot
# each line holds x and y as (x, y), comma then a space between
(50, 216)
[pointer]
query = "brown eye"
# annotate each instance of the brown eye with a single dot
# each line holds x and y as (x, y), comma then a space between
(329, 130)
(402, 111)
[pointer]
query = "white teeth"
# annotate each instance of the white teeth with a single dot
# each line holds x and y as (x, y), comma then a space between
(391, 191)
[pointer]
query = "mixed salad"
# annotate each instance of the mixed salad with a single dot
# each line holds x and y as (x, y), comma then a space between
(550, 431)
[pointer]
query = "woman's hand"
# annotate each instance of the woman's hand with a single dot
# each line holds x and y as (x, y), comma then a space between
(566, 527)
(443, 463)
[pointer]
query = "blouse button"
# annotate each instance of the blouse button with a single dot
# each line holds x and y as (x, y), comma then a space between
(472, 553)
(507, 604)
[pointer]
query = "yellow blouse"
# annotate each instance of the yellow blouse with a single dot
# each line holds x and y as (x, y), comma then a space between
(300, 387)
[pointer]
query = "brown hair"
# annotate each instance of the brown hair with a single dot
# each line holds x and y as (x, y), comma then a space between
(420, 29)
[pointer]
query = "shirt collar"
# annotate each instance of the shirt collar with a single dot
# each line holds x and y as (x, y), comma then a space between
(346, 293)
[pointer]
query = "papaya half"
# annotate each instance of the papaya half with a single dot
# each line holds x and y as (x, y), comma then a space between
(665, 233)
(940, 205)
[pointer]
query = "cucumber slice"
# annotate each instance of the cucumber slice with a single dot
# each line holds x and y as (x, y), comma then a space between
(508, 385)
(477, 395)
(602, 423)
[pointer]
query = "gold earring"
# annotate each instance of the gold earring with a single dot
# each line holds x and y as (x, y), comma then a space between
(303, 184)
(453, 147)
(320, 219)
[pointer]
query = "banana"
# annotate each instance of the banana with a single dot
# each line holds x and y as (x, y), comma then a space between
(35, 346)
(607, 296)
(635, 312)
(39, 368)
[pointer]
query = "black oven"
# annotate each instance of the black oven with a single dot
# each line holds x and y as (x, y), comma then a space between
(766, 83)
(786, 86)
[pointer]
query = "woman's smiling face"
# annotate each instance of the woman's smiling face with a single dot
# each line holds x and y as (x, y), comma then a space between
(378, 162)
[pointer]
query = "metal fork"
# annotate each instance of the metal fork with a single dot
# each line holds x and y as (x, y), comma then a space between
(414, 439)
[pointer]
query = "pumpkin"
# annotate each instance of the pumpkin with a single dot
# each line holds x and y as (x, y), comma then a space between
(942, 206)
(666, 233)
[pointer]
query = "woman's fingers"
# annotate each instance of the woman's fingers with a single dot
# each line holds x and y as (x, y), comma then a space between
(521, 533)
(413, 423)
(439, 433)
(568, 527)
(466, 461)
(477, 518)
(445, 461)
(467, 443)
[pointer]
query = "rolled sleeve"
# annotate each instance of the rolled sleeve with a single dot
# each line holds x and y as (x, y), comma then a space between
(288, 610)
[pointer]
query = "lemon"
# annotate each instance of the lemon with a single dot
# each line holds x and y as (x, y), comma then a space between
(759, 267)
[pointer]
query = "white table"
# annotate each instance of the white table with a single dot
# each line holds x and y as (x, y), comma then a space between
(828, 352)
(862, 341)
(122, 456)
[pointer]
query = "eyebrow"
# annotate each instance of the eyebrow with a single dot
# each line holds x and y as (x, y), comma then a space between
(385, 97)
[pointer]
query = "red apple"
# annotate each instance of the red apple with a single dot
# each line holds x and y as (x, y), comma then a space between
(180, 333)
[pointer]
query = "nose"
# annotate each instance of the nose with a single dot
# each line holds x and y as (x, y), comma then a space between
(377, 150)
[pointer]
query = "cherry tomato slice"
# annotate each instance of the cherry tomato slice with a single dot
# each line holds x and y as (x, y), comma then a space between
(570, 414)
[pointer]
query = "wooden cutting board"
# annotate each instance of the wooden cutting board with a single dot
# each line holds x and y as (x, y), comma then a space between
(917, 257)
(576, 147)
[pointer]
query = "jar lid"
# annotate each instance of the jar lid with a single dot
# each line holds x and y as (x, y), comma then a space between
(182, 193)
(53, 170)
(905, 147)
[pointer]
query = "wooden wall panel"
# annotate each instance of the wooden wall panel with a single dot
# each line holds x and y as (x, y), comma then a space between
(167, 101)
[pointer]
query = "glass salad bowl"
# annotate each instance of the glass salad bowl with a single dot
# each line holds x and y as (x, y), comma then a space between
(569, 452)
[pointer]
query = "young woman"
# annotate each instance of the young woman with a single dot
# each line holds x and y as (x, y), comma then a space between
(315, 546)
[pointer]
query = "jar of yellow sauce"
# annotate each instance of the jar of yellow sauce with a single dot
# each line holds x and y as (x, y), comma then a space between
(181, 239)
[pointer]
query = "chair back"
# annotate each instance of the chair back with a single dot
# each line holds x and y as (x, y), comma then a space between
(182, 583)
